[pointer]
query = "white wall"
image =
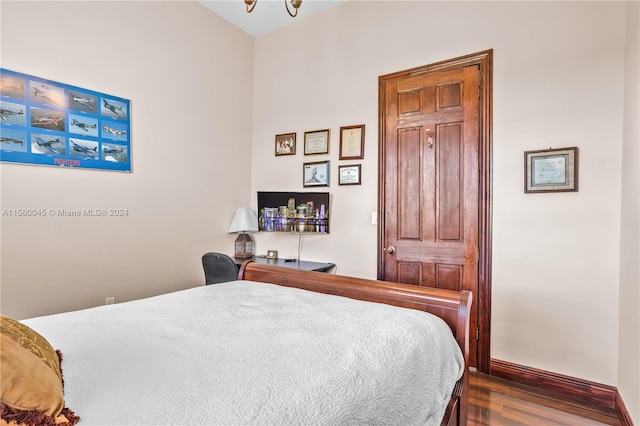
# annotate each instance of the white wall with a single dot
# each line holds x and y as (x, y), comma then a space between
(558, 82)
(188, 74)
(629, 337)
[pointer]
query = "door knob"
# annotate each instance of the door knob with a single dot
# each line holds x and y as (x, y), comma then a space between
(390, 249)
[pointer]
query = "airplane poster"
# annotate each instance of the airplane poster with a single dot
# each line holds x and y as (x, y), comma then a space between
(48, 123)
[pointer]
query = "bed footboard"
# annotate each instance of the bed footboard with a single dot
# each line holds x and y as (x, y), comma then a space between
(452, 306)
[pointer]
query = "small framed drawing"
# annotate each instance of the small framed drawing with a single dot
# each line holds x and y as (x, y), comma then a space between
(316, 174)
(286, 144)
(316, 142)
(349, 175)
(352, 142)
(551, 170)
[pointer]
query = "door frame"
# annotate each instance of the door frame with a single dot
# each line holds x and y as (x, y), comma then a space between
(484, 61)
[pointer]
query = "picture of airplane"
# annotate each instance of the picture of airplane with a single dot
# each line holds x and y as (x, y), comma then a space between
(43, 144)
(11, 140)
(45, 121)
(47, 94)
(12, 86)
(48, 119)
(113, 131)
(83, 126)
(6, 85)
(5, 113)
(114, 153)
(85, 151)
(115, 150)
(115, 109)
(37, 92)
(79, 101)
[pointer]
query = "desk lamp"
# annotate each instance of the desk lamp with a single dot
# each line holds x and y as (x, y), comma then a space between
(244, 221)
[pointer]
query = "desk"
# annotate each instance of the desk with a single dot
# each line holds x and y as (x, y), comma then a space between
(303, 265)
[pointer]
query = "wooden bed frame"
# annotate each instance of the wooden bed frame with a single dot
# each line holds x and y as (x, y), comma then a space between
(452, 306)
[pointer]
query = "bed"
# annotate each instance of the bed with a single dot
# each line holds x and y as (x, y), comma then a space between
(274, 347)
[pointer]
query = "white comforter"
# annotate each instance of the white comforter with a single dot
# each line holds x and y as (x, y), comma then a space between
(244, 353)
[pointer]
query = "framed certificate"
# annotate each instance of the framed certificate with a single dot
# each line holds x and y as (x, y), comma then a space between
(316, 142)
(551, 170)
(349, 175)
(352, 142)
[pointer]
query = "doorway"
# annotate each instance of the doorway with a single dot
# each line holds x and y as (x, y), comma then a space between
(434, 187)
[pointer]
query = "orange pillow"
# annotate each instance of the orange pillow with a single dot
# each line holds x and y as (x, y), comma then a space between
(31, 378)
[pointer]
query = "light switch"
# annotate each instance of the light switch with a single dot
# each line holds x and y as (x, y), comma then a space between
(374, 218)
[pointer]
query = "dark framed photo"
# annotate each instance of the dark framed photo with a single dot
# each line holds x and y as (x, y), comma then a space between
(315, 174)
(316, 142)
(349, 175)
(286, 144)
(551, 170)
(352, 142)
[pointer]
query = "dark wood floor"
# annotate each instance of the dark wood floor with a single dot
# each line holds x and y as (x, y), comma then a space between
(497, 402)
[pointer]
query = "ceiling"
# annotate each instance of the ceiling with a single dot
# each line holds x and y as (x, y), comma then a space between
(268, 15)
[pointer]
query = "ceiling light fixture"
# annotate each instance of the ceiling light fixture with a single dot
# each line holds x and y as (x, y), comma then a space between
(251, 4)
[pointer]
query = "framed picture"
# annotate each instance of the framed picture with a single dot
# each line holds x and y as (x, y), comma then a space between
(316, 174)
(352, 142)
(316, 142)
(48, 123)
(349, 175)
(272, 254)
(286, 144)
(551, 170)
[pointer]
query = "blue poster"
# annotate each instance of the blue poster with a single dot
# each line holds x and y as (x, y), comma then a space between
(53, 124)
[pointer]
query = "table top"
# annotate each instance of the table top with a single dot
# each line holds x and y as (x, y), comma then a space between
(303, 265)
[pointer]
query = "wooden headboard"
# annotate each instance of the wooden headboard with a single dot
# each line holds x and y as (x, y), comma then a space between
(452, 306)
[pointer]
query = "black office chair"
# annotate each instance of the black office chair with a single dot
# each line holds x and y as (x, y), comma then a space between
(218, 268)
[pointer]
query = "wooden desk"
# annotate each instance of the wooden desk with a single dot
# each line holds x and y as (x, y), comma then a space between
(303, 265)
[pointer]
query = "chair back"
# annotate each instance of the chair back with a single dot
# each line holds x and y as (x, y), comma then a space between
(218, 268)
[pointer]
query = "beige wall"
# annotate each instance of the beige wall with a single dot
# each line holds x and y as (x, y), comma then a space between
(188, 74)
(558, 82)
(629, 337)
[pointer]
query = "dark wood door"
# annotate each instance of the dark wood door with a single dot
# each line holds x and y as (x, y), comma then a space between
(430, 195)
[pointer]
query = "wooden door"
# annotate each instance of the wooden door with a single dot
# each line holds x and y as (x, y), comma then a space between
(431, 181)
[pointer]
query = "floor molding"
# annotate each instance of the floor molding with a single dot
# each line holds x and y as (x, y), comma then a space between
(621, 410)
(571, 387)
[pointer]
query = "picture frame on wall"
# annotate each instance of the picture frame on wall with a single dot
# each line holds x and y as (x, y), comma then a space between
(315, 174)
(286, 144)
(352, 142)
(316, 142)
(551, 170)
(349, 174)
(49, 123)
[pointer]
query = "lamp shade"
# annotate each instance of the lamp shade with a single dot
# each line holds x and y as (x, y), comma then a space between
(245, 220)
